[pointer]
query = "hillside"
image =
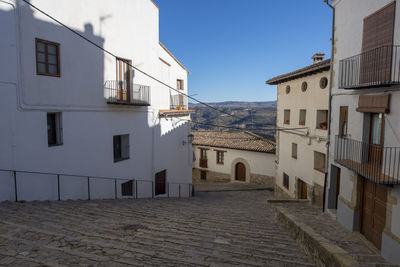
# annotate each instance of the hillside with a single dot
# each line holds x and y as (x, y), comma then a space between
(255, 115)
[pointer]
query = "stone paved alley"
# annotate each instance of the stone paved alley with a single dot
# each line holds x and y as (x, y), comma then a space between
(211, 229)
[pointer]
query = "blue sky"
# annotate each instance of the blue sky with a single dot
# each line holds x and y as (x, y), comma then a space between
(232, 47)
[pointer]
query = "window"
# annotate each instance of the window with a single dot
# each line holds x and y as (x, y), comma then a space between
(47, 58)
(288, 89)
(203, 175)
(294, 150)
(220, 157)
(343, 121)
(121, 147)
(304, 86)
(323, 83)
(319, 161)
(286, 116)
(302, 117)
(54, 129)
(127, 188)
(180, 85)
(286, 180)
(322, 119)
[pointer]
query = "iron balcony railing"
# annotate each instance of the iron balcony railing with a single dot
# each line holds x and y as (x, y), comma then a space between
(376, 163)
(121, 92)
(179, 102)
(203, 163)
(377, 67)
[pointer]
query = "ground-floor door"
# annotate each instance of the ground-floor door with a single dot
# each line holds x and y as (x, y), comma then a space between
(373, 216)
(160, 185)
(302, 189)
(240, 172)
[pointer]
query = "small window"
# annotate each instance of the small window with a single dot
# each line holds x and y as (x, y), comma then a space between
(294, 150)
(220, 157)
(323, 83)
(203, 153)
(304, 86)
(286, 180)
(47, 58)
(319, 161)
(203, 175)
(54, 129)
(288, 89)
(121, 147)
(343, 121)
(127, 188)
(286, 116)
(322, 119)
(302, 117)
(180, 85)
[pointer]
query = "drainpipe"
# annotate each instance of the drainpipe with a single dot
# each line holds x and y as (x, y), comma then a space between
(330, 103)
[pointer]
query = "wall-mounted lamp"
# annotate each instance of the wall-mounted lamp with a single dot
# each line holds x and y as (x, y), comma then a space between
(190, 138)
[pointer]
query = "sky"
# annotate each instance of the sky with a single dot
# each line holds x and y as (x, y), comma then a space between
(231, 47)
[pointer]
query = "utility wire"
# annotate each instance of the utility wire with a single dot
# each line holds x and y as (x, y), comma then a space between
(139, 70)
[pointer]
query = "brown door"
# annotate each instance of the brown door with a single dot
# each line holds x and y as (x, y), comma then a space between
(337, 187)
(376, 142)
(376, 60)
(303, 190)
(240, 172)
(124, 79)
(373, 211)
(160, 182)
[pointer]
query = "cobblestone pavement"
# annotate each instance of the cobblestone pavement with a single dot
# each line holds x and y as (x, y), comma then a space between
(235, 186)
(322, 223)
(211, 229)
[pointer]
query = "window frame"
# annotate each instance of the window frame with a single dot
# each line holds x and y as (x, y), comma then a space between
(220, 156)
(343, 121)
(58, 129)
(294, 150)
(319, 123)
(180, 84)
(300, 117)
(285, 181)
(46, 43)
(286, 111)
(203, 175)
(322, 169)
(121, 158)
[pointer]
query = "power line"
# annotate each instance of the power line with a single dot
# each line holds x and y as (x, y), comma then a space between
(139, 70)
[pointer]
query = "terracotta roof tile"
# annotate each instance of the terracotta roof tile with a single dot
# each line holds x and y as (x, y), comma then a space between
(234, 140)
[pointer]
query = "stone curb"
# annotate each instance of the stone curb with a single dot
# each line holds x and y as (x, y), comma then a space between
(322, 251)
(233, 189)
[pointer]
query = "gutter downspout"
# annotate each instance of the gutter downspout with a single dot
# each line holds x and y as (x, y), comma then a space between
(330, 103)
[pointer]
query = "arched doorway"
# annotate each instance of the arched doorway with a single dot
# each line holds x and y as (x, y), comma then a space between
(240, 172)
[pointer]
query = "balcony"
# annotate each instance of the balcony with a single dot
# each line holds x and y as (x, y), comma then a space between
(178, 102)
(378, 164)
(123, 93)
(374, 68)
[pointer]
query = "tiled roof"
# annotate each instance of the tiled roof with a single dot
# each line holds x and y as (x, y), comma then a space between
(309, 70)
(234, 140)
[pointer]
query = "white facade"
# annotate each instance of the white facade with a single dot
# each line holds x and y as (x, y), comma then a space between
(129, 29)
(349, 28)
(259, 164)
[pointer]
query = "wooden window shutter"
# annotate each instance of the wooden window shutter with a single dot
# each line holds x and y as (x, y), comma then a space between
(376, 59)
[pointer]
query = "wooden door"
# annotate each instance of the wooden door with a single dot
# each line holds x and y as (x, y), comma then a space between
(373, 211)
(337, 187)
(160, 182)
(303, 190)
(376, 141)
(240, 172)
(124, 79)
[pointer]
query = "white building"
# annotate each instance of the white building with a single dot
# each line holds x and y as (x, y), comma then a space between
(364, 152)
(76, 122)
(223, 157)
(302, 109)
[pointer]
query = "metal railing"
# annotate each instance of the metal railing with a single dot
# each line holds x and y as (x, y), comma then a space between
(377, 67)
(376, 163)
(121, 92)
(178, 102)
(136, 183)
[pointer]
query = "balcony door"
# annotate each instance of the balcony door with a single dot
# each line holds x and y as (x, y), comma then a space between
(376, 58)
(376, 139)
(124, 80)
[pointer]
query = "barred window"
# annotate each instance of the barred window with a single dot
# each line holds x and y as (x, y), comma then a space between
(220, 157)
(54, 129)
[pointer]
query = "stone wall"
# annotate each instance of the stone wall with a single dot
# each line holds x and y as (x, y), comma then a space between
(262, 180)
(280, 193)
(212, 177)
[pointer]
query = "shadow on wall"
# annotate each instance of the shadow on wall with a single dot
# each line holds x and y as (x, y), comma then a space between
(83, 167)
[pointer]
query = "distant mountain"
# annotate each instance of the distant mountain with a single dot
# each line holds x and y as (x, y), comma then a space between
(254, 116)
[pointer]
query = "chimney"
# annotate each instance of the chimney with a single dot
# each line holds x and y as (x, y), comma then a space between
(318, 57)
